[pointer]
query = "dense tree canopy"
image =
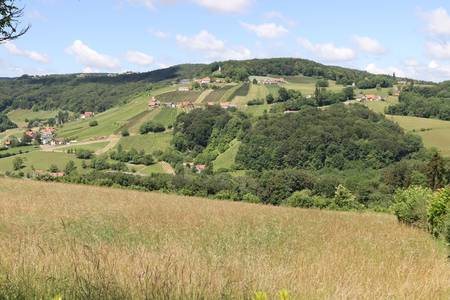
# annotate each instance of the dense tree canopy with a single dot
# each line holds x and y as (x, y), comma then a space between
(334, 138)
(6, 123)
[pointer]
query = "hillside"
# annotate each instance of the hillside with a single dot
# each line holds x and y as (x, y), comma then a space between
(120, 244)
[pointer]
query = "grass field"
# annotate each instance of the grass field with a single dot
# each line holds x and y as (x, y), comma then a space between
(166, 116)
(40, 161)
(256, 91)
(92, 147)
(81, 242)
(434, 133)
(148, 142)
(226, 160)
(19, 149)
(153, 169)
(18, 116)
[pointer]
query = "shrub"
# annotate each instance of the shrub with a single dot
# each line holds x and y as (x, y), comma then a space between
(438, 214)
(93, 123)
(301, 199)
(83, 153)
(250, 198)
(151, 127)
(410, 205)
(125, 132)
(344, 199)
(255, 102)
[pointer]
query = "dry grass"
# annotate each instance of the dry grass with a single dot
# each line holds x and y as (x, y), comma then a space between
(94, 243)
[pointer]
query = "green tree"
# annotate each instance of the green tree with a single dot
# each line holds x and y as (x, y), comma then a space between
(18, 163)
(436, 171)
(344, 199)
(53, 169)
(438, 214)
(70, 168)
(410, 205)
(10, 15)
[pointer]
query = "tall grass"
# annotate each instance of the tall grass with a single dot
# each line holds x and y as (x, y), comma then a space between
(92, 243)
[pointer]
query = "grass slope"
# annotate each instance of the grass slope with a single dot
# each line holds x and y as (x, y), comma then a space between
(148, 142)
(82, 242)
(226, 160)
(18, 116)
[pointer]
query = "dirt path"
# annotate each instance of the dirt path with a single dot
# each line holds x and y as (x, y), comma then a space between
(167, 168)
(203, 96)
(113, 141)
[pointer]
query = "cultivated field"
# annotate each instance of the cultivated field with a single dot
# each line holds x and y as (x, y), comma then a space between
(94, 243)
(149, 142)
(178, 96)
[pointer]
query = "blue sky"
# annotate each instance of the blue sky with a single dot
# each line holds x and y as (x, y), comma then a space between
(411, 38)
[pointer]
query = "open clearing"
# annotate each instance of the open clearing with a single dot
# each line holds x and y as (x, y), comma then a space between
(98, 243)
(18, 116)
(148, 142)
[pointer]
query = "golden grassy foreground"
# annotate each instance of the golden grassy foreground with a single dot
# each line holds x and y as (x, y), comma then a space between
(94, 243)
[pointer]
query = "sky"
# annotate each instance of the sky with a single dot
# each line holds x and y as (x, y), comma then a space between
(408, 37)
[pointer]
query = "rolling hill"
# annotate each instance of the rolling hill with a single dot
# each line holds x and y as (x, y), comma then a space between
(75, 241)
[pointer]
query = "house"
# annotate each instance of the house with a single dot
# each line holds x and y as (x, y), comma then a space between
(210, 103)
(153, 103)
(205, 80)
(372, 98)
(87, 114)
(200, 168)
(8, 142)
(227, 105)
(170, 105)
(59, 141)
(184, 89)
(47, 135)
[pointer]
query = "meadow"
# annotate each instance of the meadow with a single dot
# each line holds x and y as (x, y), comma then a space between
(19, 116)
(83, 242)
(148, 142)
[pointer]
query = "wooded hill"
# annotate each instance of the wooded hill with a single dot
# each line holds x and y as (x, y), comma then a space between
(98, 92)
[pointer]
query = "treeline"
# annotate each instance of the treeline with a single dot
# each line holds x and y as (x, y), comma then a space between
(83, 92)
(240, 70)
(6, 123)
(423, 102)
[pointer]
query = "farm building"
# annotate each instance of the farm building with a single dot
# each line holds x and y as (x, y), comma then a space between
(184, 89)
(227, 105)
(87, 114)
(153, 103)
(31, 134)
(372, 98)
(205, 80)
(200, 168)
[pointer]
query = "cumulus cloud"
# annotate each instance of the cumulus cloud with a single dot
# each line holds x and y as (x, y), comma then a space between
(212, 46)
(373, 68)
(201, 41)
(33, 55)
(91, 58)
(227, 6)
(328, 51)
(160, 34)
(438, 21)
(266, 30)
(369, 45)
(438, 50)
(139, 58)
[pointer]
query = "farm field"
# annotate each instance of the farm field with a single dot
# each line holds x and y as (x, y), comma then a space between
(92, 147)
(40, 160)
(101, 243)
(177, 96)
(256, 91)
(18, 116)
(148, 142)
(220, 94)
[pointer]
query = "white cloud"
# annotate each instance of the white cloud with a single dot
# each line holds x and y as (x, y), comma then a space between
(201, 41)
(373, 68)
(438, 50)
(91, 58)
(226, 6)
(276, 15)
(139, 58)
(212, 46)
(160, 34)
(438, 21)
(36, 56)
(369, 45)
(150, 4)
(266, 30)
(328, 51)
